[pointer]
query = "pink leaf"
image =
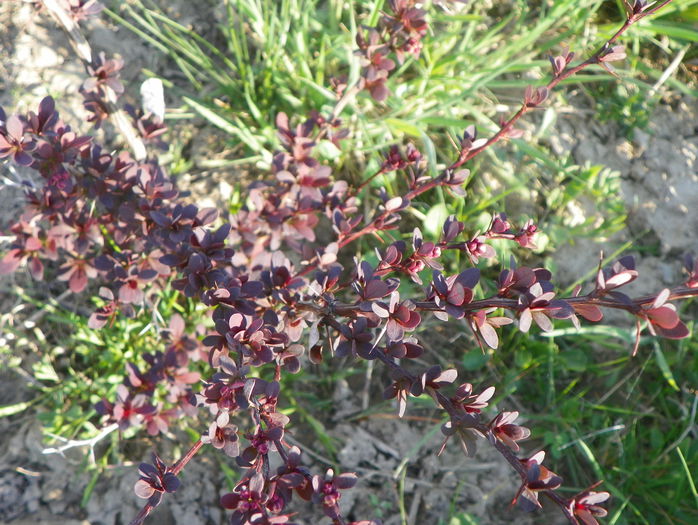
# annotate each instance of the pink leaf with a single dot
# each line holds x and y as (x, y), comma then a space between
(10, 262)
(394, 204)
(621, 279)
(661, 298)
(15, 128)
(543, 321)
(489, 335)
(525, 320)
(78, 281)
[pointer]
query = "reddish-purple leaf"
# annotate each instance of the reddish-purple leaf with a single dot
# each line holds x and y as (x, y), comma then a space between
(589, 312)
(345, 481)
(679, 331)
(456, 294)
(36, 268)
(375, 289)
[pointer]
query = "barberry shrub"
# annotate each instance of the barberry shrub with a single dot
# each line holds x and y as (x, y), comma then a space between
(279, 297)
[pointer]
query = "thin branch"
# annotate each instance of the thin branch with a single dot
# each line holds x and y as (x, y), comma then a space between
(84, 52)
(468, 154)
(71, 443)
(526, 107)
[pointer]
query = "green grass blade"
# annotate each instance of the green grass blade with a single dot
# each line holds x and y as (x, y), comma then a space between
(664, 367)
(16, 408)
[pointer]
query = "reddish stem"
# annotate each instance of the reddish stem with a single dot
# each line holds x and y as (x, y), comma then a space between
(681, 292)
(372, 227)
(503, 132)
(367, 182)
(593, 59)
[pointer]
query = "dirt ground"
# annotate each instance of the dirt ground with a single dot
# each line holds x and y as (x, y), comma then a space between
(659, 185)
